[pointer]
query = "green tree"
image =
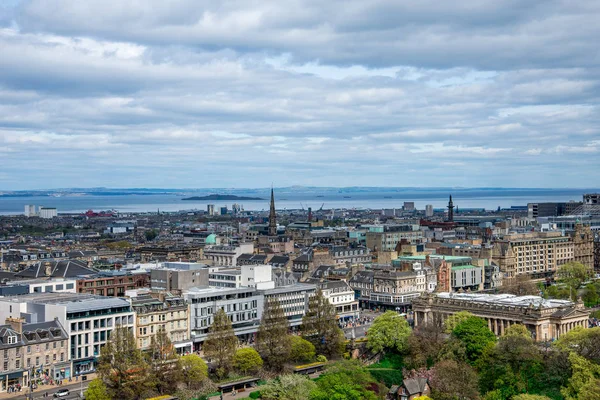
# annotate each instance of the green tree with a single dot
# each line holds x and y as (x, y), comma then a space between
(288, 387)
(530, 397)
(165, 365)
(582, 341)
(456, 319)
(97, 390)
(346, 380)
(474, 333)
(389, 331)
(122, 367)
(247, 360)
(194, 369)
(302, 349)
(590, 297)
(585, 377)
(572, 275)
(451, 380)
(151, 234)
(517, 330)
(272, 340)
(319, 326)
(221, 343)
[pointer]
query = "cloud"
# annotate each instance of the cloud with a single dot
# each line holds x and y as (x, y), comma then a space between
(190, 94)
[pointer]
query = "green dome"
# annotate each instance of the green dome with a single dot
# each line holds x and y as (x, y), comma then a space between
(211, 239)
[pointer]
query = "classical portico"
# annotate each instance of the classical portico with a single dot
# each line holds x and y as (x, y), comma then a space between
(545, 319)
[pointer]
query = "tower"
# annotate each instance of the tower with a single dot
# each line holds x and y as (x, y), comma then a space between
(272, 217)
(450, 210)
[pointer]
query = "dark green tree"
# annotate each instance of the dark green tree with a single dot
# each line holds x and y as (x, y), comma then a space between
(475, 335)
(165, 365)
(346, 380)
(273, 342)
(221, 343)
(319, 326)
(151, 234)
(122, 367)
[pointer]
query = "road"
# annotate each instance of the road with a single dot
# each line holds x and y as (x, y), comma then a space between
(40, 392)
(361, 330)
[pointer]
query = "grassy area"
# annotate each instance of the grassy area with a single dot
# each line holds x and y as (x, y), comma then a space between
(388, 370)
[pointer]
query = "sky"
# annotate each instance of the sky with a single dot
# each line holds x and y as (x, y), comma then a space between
(191, 93)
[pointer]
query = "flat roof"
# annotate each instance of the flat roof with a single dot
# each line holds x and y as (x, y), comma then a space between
(74, 302)
(291, 288)
(507, 299)
(447, 258)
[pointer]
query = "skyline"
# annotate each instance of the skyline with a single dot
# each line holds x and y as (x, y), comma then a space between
(239, 95)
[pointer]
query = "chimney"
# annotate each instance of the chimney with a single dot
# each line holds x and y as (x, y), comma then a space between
(16, 324)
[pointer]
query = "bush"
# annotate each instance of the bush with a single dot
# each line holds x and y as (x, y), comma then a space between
(321, 358)
(255, 395)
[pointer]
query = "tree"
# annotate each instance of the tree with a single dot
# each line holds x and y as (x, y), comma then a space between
(585, 377)
(122, 367)
(456, 319)
(521, 285)
(272, 340)
(195, 370)
(572, 275)
(319, 326)
(389, 331)
(165, 365)
(346, 380)
(288, 387)
(302, 349)
(221, 343)
(247, 360)
(451, 380)
(97, 390)
(590, 297)
(425, 345)
(530, 397)
(517, 330)
(474, 333)
(151, 235)
(582, 341)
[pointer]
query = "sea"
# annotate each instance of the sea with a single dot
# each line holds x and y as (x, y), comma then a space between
(292, 198)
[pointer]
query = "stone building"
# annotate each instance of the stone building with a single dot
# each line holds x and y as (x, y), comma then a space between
(583, 245)
(545, 319)
(162, 311)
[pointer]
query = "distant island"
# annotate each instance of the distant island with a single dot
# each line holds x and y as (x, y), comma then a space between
(222, 197)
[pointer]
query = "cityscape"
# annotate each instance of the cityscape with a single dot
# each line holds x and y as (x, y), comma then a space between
(299, 200)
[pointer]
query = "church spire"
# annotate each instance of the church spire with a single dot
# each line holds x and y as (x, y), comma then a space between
(272, 216)
(450, 210)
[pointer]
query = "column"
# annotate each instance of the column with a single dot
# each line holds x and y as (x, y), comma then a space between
(489, 321)
(501, 327)
(495, 326)
(416, 318)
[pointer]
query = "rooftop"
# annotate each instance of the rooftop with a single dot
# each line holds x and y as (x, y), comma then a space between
(507, 299)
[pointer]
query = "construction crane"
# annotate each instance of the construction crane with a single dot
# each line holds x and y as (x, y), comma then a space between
(302, 206)
(321, 209)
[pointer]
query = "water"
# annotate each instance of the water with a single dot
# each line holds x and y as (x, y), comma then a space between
(297, 197)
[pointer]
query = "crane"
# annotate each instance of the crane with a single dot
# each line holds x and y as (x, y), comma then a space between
(321, 209)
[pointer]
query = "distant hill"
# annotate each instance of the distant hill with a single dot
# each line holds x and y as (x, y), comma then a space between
(222, 197)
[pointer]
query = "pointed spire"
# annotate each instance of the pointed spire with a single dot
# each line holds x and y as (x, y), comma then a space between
(272, 216)
(450, 210)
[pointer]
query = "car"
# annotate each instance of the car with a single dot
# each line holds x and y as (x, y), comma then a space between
(61, 393)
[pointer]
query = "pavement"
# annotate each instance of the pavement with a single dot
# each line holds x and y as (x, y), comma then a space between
(74, 389)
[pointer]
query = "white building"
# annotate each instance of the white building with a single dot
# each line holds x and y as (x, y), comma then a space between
(258, 276)
(88, 319)
(342, 297)
(293, 299)
(56, 285)
(429, 210)
(30, 210)
(48, 212)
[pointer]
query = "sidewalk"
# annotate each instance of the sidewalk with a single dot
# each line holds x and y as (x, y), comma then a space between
(41, 389)
(240, 395)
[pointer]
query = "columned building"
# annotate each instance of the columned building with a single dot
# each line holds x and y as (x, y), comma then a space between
(545, 319)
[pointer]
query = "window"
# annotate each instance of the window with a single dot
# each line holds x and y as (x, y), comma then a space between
(37, 361)
(70, 286)
(12, 339)
(28, 362)
(5, 365)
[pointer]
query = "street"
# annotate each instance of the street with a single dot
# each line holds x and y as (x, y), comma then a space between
(39, 393)
(361, 329)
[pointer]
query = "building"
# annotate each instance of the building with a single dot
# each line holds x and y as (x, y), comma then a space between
(30, 210)
(243, 305)
(162, 311)
(341, 296)
(539, 254)
(210, 209)
(227, 255)
(56, 285)
(87, 319)
(350, 255)
(545, 319)
(388, 239)
(410, 389)
(428, 211)
(537, 210)
(179, 276)
(38, 350)
(56, 269)
(294, 300)
(48, 212)
(272, 216)
(112, 283)
(409, 206)
(450, 210)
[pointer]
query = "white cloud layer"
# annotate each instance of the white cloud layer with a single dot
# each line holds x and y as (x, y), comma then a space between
(244, 93)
